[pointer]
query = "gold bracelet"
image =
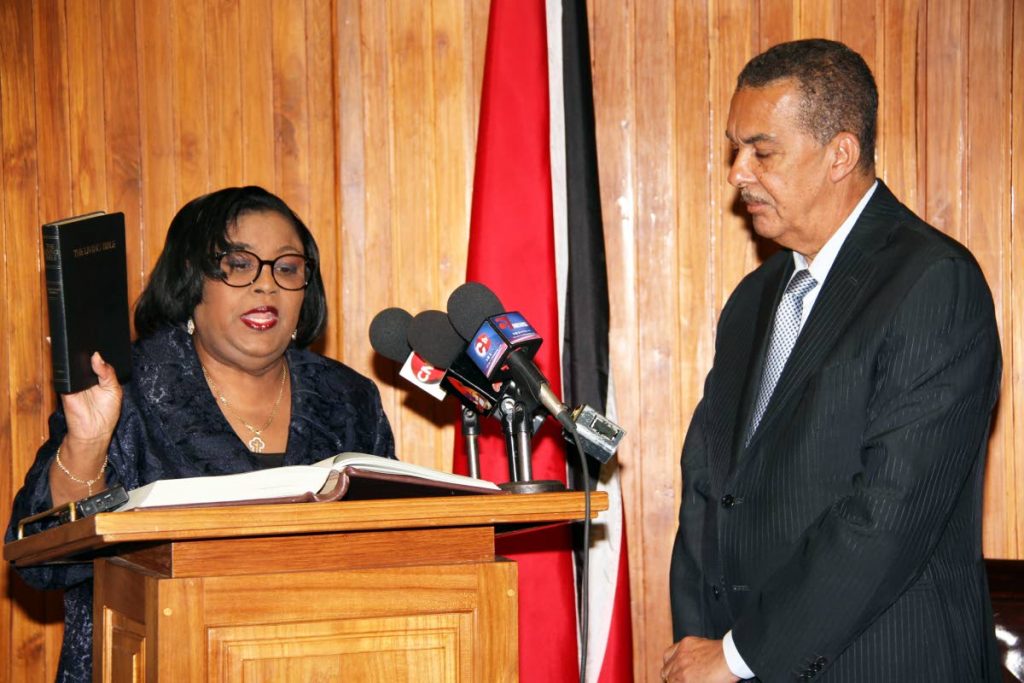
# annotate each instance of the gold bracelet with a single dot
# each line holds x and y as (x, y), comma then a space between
(99, 475)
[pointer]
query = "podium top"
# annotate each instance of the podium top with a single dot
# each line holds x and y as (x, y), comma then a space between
(240, 521)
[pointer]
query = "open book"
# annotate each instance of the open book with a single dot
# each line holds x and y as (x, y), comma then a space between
(353, 476)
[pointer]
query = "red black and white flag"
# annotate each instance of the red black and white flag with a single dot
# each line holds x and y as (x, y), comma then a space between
(536, 240)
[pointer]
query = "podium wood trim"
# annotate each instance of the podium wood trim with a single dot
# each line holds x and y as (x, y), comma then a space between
(114, 528)
(319, 552)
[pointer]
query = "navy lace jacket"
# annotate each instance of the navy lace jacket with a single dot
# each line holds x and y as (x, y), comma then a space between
(170, 427)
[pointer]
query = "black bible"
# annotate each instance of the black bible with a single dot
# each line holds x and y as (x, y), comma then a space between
(87, 297)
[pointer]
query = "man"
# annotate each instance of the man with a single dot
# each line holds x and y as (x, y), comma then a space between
(830, 527)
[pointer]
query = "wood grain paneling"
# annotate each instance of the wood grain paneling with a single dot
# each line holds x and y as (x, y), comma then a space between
(257, 89)
(124, 138)
(656, 240)
(896, 69)
(224, 106)
(322, 215)
(30, 654)
(191, 142)
(987, 230)
(362, 115)
(1012, 398)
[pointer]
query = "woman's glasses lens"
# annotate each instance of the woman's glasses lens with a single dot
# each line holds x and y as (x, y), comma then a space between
(242, 268)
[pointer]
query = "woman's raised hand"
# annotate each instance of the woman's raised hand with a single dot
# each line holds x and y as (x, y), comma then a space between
(92, 414)
(91, 418)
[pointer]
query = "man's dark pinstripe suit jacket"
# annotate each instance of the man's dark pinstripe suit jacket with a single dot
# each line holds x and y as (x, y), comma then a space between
(843, 543)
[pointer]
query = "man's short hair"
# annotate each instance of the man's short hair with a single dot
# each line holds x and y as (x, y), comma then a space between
(839, 92)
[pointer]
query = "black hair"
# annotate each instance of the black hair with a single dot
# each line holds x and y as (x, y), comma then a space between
(839, 92)
(199, 231)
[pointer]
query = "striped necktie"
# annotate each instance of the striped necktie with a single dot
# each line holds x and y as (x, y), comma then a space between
(784, 334)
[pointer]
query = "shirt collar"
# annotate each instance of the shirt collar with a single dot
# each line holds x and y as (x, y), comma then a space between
(822, 263)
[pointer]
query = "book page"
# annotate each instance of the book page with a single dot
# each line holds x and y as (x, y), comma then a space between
(376, 463)
(283, 482)
(276, 482)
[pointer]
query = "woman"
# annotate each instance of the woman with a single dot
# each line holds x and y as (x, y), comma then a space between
(221, 381)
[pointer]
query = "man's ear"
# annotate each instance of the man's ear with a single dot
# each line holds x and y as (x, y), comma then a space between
(845, 148)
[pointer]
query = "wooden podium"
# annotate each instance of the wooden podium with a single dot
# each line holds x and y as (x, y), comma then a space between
(381, 590)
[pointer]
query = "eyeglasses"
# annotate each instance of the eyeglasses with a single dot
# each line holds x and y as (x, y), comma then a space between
(242, 268)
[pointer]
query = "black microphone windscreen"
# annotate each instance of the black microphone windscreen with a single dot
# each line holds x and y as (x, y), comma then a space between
(433, 338)
(469, 305)
(388, 334)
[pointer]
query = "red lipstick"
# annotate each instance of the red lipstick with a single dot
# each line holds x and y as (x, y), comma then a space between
(260, 318)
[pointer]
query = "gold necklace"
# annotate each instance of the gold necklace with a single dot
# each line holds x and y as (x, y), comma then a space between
(256, 444)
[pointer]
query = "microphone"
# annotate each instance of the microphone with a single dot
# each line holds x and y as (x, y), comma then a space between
(432, 337)
(478, 315)
(388, 333)
(599, 436)
(388, 337)
(502, 344)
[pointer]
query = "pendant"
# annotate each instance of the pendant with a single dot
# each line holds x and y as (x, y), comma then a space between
(256, 444)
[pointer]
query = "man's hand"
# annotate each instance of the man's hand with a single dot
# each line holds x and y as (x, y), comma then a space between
(696, 660)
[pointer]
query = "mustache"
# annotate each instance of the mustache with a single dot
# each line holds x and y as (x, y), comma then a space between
(751, 198)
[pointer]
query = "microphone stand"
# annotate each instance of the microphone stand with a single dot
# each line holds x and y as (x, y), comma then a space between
(507, 409)
(521, 423)
(471, 432)
(517, 422)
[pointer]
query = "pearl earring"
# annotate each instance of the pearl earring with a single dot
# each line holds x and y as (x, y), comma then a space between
(190, 327)
(295, 333)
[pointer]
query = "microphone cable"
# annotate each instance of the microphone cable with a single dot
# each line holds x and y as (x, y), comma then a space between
(584, 607)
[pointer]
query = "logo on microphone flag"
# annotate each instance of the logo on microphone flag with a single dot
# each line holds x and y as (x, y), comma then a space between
(514, 329)
(424, 375)
(488, 349)
(472, 395)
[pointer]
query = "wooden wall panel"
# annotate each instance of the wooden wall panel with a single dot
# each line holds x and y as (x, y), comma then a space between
(453, 46)
(24, 621)
(257, 93)
(1012, 399)
(117, 38)
(350, 254)
(696, 205)
(411, 185)
(856, 23)
(895, 66)
(408, 129)
(322, 216)
(987, 230)
(188, 63)
(774, 21)
(86, 114)
(222, 42)
(656, 249)
(50, 79)
(158, 106)
(615, 88)
(732, 28)
(363, 116)
(287, 47)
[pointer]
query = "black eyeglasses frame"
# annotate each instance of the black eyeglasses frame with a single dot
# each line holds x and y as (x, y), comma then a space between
(223, 277)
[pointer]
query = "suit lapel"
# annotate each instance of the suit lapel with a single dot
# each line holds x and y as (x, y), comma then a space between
(739, 333)
(775, 284)
(841, 298)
